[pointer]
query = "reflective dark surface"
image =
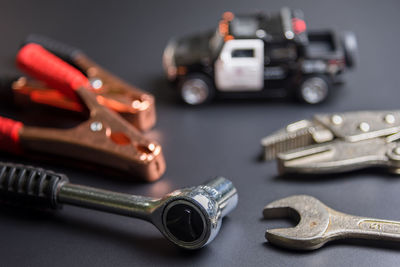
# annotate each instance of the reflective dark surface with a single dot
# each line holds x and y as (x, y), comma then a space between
(128, 38)
(184, 223)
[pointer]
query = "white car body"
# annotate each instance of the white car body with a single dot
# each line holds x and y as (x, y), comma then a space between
(240, 65)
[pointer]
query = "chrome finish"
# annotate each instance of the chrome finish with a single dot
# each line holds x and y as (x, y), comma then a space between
(108, 201)
(195, 91)
(319, 224)
(337, 119)
(260, 33)
(96, 83)
(314, 90)
(189, 217)
(96, 126)
(364, 127)
(390, 119)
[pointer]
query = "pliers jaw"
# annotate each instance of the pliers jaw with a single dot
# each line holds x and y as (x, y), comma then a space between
(295, 135)
(332, 143)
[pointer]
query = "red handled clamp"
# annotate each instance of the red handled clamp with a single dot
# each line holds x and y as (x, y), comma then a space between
(136, 106)
(105, 138)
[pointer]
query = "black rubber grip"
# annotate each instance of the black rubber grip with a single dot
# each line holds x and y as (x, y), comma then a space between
(31, 186)
(64, 51)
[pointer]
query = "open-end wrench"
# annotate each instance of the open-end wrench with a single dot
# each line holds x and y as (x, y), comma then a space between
(189, 217)
(318, 224)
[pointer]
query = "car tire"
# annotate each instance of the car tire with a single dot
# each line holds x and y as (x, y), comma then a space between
(350, 47)
(196, 89)
(314, 89)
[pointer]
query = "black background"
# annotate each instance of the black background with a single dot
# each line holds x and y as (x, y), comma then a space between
(128, 38)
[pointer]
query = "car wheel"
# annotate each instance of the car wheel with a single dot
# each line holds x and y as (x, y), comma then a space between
(314, 89)
(196, 89)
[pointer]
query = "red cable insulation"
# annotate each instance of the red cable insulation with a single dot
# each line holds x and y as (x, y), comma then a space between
(9, 135)
(45, 66)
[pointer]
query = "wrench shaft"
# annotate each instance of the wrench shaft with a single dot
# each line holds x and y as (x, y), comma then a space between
(104, 200)
(366, 228)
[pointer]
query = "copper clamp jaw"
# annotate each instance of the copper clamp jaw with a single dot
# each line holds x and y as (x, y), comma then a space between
(105, 138)
(134, 105)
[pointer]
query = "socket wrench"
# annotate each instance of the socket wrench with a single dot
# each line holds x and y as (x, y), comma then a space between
(189, 217)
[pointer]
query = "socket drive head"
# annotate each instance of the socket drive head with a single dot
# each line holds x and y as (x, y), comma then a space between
(192, 217)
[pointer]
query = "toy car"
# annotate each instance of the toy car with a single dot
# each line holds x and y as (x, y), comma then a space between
(259, 55)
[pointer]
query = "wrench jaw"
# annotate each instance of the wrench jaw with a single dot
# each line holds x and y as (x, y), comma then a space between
(191, 217)
(312, 217)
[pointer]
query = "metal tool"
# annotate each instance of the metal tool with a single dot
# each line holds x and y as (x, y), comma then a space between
(319, 224)
(136, 106)
(104, 138)
(189, 217)
(337, 143)
(24, 92)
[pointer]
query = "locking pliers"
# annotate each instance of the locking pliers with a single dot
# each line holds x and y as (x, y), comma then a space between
(337, 143)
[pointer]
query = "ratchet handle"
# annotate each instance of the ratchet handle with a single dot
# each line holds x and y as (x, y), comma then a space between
(9, 135)
(43, 65)
(64, 51)
(29, 186)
